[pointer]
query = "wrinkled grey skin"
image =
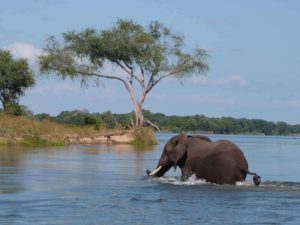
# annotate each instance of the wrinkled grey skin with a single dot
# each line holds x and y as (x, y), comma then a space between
(220, 162)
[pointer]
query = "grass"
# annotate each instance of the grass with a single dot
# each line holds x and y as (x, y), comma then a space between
(144, 136)
(26, 132)
(36, 141)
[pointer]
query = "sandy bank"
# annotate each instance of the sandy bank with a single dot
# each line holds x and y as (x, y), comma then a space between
(123, 137)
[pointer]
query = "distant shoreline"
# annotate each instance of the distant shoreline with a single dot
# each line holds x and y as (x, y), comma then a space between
(45, 131)
(177, 124)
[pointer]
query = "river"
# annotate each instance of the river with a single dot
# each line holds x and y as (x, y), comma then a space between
(108, 185)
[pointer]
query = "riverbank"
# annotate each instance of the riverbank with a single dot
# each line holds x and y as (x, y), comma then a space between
(135, 136)
(26, 132)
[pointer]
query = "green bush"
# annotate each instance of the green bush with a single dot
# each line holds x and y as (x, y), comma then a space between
(144, 136)
(36, 141)
(76, 117)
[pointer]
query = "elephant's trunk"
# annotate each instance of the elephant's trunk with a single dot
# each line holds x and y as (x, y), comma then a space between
(256, 178)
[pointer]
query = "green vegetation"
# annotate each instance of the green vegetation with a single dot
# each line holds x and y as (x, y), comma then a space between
(19, 130)
(223, 125)
(44, 130)
(37, 141)
(141, 56)
(144, 136)
(196, 123)
(15, 78)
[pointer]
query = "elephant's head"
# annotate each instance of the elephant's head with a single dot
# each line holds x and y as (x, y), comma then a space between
(173, 155)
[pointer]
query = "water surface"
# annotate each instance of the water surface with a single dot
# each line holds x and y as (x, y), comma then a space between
(108, 185)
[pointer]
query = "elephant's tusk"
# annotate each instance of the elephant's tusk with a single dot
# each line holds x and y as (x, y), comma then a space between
(155, 171)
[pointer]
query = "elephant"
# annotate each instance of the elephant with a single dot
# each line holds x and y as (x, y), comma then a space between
(219, 162)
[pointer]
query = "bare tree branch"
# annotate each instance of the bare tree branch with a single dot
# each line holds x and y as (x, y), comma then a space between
(129, 70)
(123, 67)
(107, 77)
(1, 98)
(154, 82)
(129, 87)
(128, 66)
(150, 82)
(143, 77)
(137, 79)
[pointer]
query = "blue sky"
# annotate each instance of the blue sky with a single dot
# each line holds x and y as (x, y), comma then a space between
(253, 47)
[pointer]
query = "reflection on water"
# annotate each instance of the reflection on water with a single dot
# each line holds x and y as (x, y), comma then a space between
(120, 148)
(108, 185)
(10, 161)
(15, 162)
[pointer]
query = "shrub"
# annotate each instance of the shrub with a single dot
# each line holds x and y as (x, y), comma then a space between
(144, 136)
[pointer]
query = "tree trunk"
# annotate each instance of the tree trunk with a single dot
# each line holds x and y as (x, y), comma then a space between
(6, 103)
(137, 106)
(139, 117)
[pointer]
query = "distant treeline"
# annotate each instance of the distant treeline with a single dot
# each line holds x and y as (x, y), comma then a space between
(196, 123)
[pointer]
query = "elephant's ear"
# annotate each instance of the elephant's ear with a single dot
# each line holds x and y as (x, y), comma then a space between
(180, 148)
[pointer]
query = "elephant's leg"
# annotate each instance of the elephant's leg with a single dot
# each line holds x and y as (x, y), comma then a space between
(201, 169)
(186, 173)
(226, 178)
(227, 171)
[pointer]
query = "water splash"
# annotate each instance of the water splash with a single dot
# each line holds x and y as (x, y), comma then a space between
(178, 181)
(265, 185)
(245, 184)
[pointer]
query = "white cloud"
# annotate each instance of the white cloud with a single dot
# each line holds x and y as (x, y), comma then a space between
(231, 80)
(294, 103)
(158, 97)
(55, 89)
(25, 50)
(200, 80)
(210, 100)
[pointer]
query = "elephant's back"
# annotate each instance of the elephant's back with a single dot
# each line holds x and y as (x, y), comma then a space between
(229, 148)
(202, 149)
(224, 146)
(233, 153)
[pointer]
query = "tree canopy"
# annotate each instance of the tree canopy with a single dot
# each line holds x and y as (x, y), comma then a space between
(144, 56)
(15, 78)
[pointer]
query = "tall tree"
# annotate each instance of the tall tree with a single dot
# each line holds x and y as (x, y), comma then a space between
(15, 78)
(145, 55)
